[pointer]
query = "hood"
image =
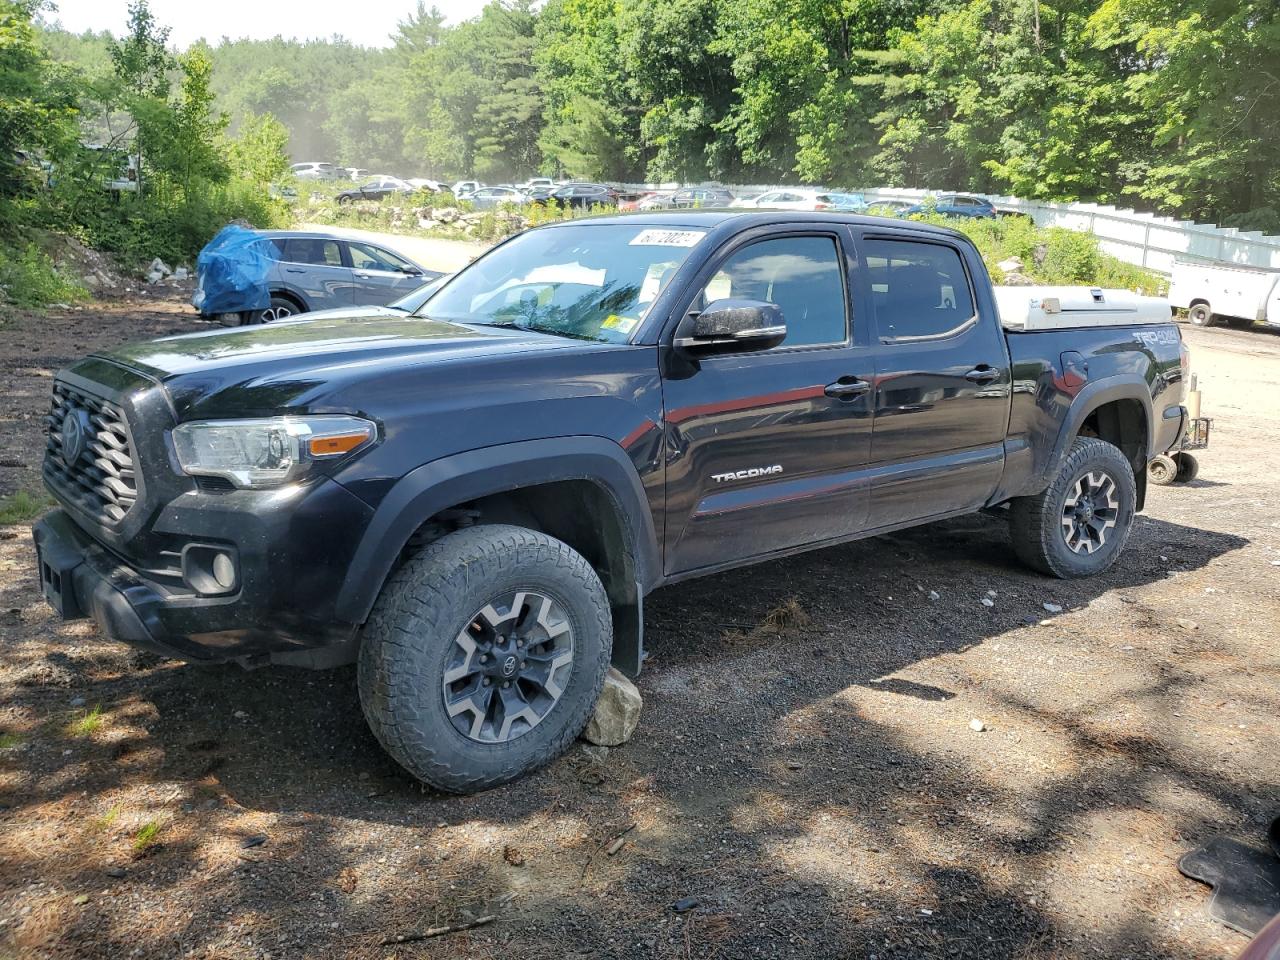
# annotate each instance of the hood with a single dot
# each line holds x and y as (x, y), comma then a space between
(305, 344)
(310, 364)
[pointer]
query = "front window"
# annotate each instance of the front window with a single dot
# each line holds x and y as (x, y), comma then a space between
(589, 281)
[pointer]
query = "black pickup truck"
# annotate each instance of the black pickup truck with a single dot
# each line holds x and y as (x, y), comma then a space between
(473, 502)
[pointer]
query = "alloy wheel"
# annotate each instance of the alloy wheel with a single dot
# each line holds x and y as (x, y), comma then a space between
(1090, 512)
(274, 313)
(508, 668)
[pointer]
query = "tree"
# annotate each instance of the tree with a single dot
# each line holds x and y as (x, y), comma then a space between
(37, 102)
(260, 151)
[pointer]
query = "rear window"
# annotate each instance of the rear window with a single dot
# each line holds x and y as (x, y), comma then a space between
(313, 250)
(919, 289)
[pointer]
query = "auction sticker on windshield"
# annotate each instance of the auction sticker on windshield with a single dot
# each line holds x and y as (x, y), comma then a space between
(667, 238)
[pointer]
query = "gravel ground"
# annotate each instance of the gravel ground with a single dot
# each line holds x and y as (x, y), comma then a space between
(805, 770)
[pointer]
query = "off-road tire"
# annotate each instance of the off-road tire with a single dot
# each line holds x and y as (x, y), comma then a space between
(1036, 523)
(1201, 315)
(1188, 468)
(1162, 470)
(427, 603)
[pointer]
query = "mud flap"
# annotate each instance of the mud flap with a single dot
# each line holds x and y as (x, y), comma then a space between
(628, 634)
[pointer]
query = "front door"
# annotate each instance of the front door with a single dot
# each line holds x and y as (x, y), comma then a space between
(764, 449)
(942, 383)
(380, 275)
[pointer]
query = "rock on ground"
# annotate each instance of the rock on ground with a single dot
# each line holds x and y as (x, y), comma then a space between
(617, 712)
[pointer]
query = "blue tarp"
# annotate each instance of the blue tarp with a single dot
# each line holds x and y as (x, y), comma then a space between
(232, 271)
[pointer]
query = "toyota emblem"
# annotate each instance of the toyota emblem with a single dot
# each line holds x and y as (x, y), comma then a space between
(509, 666)
(75, 434)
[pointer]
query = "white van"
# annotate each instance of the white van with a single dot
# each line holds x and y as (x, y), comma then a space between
(1219, 292)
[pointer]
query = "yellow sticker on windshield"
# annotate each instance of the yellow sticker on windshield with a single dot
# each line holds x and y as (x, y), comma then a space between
(621, 324)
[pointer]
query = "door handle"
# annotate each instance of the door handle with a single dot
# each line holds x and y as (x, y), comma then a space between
(846, 388)
(362, 276)
(294, 270)
(982, 374)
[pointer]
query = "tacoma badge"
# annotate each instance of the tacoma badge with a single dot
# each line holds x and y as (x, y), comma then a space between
(747, 474)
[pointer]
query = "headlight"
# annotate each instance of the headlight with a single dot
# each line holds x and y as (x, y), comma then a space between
(268, 452)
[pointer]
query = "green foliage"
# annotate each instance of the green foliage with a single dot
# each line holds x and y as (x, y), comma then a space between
(29, 278)
(147, 838)
(87, 723)
(1171, 103)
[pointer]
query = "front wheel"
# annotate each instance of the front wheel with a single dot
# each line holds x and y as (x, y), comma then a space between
(1188, 468)
(1200, 315)
(1078, 526)
(484, 656)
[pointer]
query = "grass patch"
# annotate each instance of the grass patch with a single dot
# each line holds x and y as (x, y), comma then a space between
(23, 506)
(29, 278)
(108, 819)
(9, 740)
(87, 724)
(147, 838)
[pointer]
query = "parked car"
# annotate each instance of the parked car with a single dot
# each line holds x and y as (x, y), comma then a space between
(538, 194)
(1238, 296)
(688, 197)
(792, 198)
(889, 208)
(356, 173)
(376, 189)
(640, 199)
(317, 171)
(410, 303)
(583, 195)
(487, 198)
(533, 182)
(464, 188)
(954, 205)
(472, 503)
(423, 183)
(314, 271)
(847, 202)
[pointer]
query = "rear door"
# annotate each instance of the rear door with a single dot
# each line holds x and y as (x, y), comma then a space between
(380, 276)
(942, 382)
(765, 449)
(313, 268)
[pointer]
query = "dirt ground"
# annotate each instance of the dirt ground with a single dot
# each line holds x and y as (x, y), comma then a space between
(810, 780)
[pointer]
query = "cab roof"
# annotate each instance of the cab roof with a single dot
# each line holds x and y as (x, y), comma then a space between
(748, 217)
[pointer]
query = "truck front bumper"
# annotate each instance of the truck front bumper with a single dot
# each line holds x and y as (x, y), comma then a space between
(81, 578)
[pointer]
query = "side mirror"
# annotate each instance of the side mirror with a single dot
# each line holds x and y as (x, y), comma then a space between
(731, 325)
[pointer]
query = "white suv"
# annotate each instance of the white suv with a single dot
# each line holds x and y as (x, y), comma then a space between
(318, 171)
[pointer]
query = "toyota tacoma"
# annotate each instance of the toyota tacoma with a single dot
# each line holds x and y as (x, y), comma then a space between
(472, 502)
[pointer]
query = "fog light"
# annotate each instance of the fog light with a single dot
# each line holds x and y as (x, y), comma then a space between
(224, 571)
(210, 570)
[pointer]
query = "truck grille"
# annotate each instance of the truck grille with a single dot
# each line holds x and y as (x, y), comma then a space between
(89, 456)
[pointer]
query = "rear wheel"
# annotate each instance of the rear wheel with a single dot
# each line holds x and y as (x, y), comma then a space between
(1079, 525)
(1162, 470)
(281, 309)
(484, 656)
(1200, 315)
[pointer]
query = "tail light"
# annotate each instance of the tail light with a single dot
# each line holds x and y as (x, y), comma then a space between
(822, 206)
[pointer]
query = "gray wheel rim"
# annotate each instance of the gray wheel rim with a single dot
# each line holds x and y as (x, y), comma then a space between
(1090, 512)
(275, 313)
(508, 667)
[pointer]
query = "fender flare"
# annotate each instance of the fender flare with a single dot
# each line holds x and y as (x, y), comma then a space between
(1089, 399)
(425, 491)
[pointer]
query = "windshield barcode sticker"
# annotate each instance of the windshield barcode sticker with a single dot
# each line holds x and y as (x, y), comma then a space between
(667, 238)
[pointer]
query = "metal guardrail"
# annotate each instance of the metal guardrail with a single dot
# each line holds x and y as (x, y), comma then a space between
(1145, 239)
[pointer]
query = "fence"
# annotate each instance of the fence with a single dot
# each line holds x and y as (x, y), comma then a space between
(1145, 239)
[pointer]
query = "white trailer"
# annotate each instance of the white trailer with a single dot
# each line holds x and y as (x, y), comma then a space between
(1219, 292)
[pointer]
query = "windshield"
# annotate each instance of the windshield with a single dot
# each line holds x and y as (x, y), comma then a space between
(590, 281)
(412, 302)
